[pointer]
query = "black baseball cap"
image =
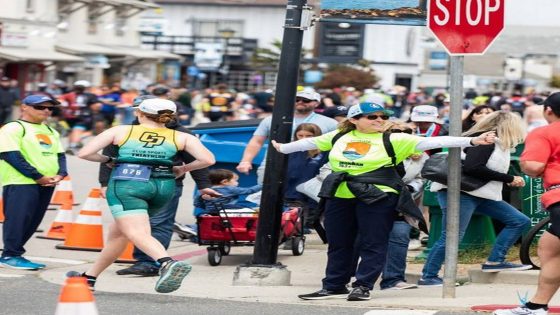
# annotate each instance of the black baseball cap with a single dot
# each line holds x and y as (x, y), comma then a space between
(159, 91)
(553, 101)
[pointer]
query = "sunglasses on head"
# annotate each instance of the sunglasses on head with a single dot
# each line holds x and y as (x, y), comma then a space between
(41, 107)
(407, 130)
(374, 117)
(304, 100)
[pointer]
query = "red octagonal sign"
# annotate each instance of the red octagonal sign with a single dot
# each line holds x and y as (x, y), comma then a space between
(466, 27)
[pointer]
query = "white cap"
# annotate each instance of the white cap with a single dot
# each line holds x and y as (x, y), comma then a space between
(83, 83)
(374, 98)
(154, 106)
(424, 113)
(310, 95)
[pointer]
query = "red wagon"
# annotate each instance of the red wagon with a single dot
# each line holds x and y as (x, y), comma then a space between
(229, 228)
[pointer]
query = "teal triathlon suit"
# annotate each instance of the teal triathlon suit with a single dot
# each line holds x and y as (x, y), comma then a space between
(142, 180)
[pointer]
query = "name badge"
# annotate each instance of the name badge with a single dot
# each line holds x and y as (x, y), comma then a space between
(136, 172)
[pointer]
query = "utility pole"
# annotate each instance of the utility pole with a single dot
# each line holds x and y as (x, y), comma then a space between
(268, 230)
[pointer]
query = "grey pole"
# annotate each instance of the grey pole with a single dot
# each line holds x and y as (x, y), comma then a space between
(454, 179)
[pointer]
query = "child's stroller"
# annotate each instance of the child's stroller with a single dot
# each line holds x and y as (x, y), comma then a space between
(238, 227)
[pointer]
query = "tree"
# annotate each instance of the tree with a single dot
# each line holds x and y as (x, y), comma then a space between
(338, 76)
(555, 81)
(269, 58)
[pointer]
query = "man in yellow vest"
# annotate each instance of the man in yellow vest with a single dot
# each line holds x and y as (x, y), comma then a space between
(32, 163)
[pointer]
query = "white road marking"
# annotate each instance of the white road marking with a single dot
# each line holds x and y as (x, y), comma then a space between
(3, 275)
(400, 312)
(57, 260)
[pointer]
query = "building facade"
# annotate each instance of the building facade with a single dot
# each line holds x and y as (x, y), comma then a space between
(94, 40)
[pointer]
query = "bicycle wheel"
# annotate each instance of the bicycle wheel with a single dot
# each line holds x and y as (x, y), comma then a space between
(529, 244)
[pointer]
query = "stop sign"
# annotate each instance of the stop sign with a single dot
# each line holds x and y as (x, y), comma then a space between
(466, 26)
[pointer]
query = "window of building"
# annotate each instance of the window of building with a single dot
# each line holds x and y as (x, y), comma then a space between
(211, 28)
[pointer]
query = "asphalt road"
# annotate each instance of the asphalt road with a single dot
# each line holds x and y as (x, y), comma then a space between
(30, 295)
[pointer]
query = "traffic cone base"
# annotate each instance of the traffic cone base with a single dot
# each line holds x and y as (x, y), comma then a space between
(127, 256)
(61, 224)
(86, 233)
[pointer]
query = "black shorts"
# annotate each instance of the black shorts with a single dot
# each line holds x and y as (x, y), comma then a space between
(554, 212)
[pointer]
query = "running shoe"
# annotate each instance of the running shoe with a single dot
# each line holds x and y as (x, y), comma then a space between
(522, 310)
(504, 266)
(324, 294)
(172, 274)
(359, 294)
(20, 262)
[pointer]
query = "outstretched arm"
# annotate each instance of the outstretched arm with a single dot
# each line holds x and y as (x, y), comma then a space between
(453, 142)
(296, 146)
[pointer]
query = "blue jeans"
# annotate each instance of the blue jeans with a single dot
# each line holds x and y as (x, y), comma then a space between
(515, 222)
(395, 266)
(162, 225)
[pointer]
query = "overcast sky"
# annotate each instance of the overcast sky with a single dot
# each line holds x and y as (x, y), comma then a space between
(533, 12)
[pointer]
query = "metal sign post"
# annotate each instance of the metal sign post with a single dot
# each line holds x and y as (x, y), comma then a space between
(454, 179)
(463, 28)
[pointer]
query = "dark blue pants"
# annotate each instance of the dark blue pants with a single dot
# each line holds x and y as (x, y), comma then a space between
(345, 219)
(162, 225)
(24, 209)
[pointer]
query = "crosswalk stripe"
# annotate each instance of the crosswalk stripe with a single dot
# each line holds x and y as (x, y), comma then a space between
(4, 275)
(57, 260)
(400, 312)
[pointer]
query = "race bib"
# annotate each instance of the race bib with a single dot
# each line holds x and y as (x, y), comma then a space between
(136, 172)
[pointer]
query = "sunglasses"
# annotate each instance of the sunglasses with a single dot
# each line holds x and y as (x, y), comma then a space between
(40, 107)
(374, 117)
(304, 100)
(407, 130)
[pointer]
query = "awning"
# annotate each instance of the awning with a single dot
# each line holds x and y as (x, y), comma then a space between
(145, 53)
(114, 51)
(86, 49)
(23, 54)
(134, 3)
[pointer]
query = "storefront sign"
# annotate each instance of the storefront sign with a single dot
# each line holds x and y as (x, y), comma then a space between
(341, 43)
(14, 39)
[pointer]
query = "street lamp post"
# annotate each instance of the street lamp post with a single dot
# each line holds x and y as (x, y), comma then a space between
(226, 34)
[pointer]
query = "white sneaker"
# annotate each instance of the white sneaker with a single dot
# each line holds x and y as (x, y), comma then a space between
(414, 245)
(522, 310)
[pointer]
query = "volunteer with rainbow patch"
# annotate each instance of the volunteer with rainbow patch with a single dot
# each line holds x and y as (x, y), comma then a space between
(32, 161)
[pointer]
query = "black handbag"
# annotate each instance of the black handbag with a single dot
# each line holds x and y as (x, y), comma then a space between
(435, 169)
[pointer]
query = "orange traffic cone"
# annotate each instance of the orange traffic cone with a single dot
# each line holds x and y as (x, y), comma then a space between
(76, 298)
(61, 224)
(126, 257)
(1, 210)
(63, 193)
(86, 233)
